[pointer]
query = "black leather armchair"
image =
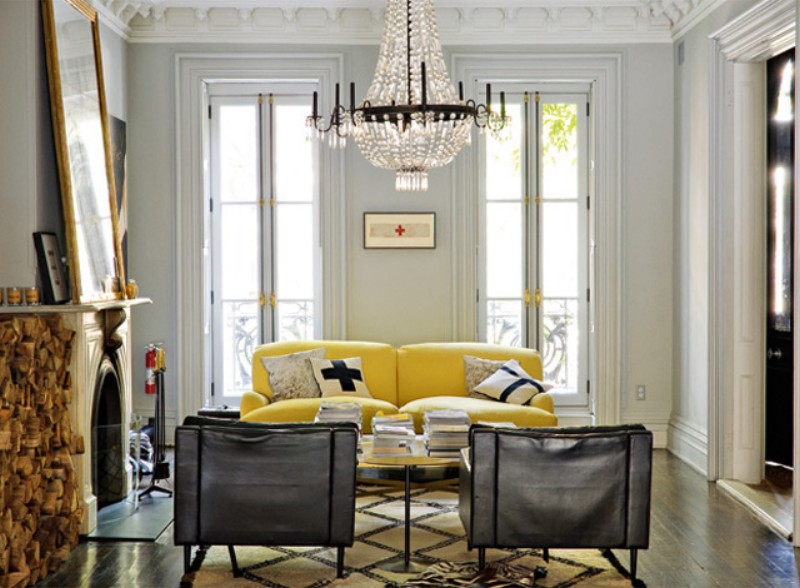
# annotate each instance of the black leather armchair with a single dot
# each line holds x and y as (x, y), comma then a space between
(264, 484)
(557, 488)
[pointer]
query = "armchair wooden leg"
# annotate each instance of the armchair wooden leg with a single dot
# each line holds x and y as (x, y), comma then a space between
(234, 564)
(340, 561)
(634, 557)
(481, 558)
(187, 558)
(546, 555)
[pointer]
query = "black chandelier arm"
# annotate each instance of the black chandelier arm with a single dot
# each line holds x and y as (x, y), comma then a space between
(335, 122)
(460, 111)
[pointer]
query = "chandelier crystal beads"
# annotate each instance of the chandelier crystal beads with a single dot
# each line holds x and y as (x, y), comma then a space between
(411, 119)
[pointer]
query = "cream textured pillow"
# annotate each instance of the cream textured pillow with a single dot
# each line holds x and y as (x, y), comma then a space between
(512, 384)
(476, 370)
(291, 376)
(340, 377)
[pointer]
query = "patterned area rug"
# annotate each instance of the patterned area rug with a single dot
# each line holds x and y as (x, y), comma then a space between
(436, 537)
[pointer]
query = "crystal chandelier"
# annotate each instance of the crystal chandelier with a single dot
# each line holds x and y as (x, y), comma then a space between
(411, 119)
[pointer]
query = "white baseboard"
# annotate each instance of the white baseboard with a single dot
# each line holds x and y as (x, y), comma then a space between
(688, 443)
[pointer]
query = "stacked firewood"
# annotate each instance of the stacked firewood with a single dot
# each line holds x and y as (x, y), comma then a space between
(40, 511)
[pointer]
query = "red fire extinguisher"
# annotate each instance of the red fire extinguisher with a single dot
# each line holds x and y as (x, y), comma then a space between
(150, 364)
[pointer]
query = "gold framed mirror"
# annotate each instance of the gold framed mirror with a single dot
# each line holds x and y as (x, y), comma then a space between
(80, 129)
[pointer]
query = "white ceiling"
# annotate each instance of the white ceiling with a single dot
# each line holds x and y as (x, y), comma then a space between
(361, 21)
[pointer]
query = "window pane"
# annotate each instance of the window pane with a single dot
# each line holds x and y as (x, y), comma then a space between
(238, 152)
(295, 320)
(504, 322)
(294, 171)
(559, 151)
(559, 249)
(504, 250)
(240, 248)
(240, 336)
(294, 251)
(560, 345)
(504, 160)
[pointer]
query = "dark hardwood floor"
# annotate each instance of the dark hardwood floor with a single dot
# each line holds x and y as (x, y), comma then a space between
(699, 537)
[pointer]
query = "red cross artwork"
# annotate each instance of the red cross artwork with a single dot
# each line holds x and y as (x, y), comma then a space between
(400, 230)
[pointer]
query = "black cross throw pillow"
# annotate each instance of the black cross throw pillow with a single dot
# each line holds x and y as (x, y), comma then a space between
(340, 377)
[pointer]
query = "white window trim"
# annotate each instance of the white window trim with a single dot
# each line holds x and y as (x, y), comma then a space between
(192, 72)
(604, 72)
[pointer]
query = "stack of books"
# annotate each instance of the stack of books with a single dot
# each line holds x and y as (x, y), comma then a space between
(446, 432)
(331, 411)
(392, 435)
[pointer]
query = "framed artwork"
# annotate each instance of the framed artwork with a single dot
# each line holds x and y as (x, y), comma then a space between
(399, 230)
(54, 284)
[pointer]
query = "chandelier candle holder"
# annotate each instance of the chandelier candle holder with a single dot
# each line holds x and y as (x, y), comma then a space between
(411, 119)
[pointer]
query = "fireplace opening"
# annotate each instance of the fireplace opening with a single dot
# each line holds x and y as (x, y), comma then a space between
(108, 449)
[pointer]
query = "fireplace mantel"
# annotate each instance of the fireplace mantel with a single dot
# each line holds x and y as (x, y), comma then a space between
(73, 308)
(94, 324)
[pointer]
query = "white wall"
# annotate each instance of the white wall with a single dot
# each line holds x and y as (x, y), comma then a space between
(395, 296)
(28, 180)
(647, 240)
(689, 426)
(405, 296)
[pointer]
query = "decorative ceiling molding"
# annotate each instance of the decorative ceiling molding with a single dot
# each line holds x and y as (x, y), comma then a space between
(466, 22)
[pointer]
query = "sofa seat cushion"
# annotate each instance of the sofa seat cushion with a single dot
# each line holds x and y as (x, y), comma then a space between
(481, 410)
(305, 410)
(437, 369)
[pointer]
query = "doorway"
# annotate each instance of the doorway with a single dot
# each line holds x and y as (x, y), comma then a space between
(779, 427)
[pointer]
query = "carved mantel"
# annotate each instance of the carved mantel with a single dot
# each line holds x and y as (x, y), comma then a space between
(101, 329)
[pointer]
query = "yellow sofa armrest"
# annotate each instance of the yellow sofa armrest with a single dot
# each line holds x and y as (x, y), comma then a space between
(544, 401)
(252, 401)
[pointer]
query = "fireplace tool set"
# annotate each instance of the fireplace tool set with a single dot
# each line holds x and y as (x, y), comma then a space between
(154, 384)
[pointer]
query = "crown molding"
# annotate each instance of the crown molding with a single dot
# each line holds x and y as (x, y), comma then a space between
(465, 22)
(765, 30)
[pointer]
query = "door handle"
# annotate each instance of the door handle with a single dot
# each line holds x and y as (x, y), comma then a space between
(776, 354)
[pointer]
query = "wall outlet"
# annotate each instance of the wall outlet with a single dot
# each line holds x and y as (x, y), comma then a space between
(641, 392)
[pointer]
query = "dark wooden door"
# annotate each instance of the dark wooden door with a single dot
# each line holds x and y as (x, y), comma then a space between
(780, 207)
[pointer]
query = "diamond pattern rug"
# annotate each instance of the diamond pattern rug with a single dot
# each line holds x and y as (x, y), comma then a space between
(437, 536)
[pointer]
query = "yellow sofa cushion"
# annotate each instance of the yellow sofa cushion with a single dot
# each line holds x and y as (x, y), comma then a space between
(437, 369)
(481, 410)
(378, 361)
(301, 410)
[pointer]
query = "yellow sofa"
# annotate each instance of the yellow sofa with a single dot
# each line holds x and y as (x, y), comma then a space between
(411, 379)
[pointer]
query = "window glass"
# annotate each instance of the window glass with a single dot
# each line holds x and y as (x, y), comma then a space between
(238, 152)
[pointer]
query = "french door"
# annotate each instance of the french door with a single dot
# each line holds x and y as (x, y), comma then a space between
(534, 229)
(263, 225)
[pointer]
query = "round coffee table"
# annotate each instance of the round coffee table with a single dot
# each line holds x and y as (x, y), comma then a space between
(416, 467)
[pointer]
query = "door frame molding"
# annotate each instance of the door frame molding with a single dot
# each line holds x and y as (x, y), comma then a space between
(192, 72)
(737, 250)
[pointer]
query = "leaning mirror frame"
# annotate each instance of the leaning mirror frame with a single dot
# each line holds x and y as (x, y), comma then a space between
(83, 153)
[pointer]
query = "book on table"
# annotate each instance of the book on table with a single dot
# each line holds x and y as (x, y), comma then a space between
(446, 432)
(392, 435)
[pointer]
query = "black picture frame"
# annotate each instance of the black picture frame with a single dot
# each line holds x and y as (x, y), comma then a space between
(55, 287)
